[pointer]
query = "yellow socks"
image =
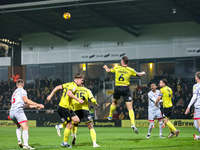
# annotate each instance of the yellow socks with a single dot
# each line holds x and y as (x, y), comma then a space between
(171, 126)
(74, 130)
(132, 116)
(93, 134)
(66, 134)
(112, 109)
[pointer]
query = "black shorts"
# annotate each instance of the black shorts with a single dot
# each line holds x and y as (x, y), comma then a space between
(65, 114)
(167, 112)
(84, 115)
(123, 91)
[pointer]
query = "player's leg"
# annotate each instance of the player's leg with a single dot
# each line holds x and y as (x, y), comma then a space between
(166, 115)
(160, 120)
(25, 135)
(150, 128)
(197, 123)
(66, 116)
(151, 116)
(59, 127)
(160, 127)
(79, 114)
(19, 135)
(87, 118)
(66, 135)
(92, 133)
(112, 108)
(116, 97)
(197, 126)
(132, 116)
(129, 104)
(23, 123)
(18, 130)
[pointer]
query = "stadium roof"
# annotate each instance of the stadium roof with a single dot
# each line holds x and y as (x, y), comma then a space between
(32, 16)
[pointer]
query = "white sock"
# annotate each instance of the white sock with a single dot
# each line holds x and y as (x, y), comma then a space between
(65, 142)
(150, 127)
(94, 142)
(60, 126)
(25, 137)
(19, 133)
(161, 126)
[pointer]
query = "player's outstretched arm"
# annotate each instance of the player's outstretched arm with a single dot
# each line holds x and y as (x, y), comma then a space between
(38, 106)
(28, 101)
(141, 73)
(194, 97)
(106, 68)
(59, 87)
(70, 94)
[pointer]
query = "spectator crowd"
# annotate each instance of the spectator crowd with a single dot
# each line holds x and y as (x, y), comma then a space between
(38, 90)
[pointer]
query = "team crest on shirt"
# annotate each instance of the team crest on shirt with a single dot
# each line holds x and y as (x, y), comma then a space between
(74, 89)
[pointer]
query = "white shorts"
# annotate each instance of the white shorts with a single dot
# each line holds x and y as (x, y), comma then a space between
(18, 116)
(154, 113)
(197, 114)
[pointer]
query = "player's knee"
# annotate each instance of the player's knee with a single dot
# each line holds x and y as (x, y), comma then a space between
(165, 121)
(151, 124)
(76, 121)
(90, 125)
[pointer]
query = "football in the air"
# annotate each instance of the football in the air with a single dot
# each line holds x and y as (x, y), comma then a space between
(66, 16)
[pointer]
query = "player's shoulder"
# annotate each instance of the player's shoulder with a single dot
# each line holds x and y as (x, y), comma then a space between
(150, 92)
(21, 90)
(81, 88)
(117, 67)
(130, 69)
(157, 91)
(197, 85)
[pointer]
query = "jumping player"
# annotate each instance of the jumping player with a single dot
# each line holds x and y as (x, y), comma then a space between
(122, 81)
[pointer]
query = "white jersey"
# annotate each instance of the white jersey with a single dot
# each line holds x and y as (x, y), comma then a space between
(196, 90)
(151, 96)
(17, 101)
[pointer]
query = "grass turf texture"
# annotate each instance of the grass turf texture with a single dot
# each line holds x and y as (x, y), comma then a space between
(109, 138)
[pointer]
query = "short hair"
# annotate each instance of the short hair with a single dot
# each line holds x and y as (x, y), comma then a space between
(125, 59)
(164, 81)
(20, 82)
(153, 83)
(78, 76)
(197, 74)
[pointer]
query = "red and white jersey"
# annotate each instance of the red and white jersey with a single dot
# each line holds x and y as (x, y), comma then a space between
(17, 101)
(196, 90)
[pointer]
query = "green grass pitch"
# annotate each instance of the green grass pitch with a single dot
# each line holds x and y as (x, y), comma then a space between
(109, 138)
